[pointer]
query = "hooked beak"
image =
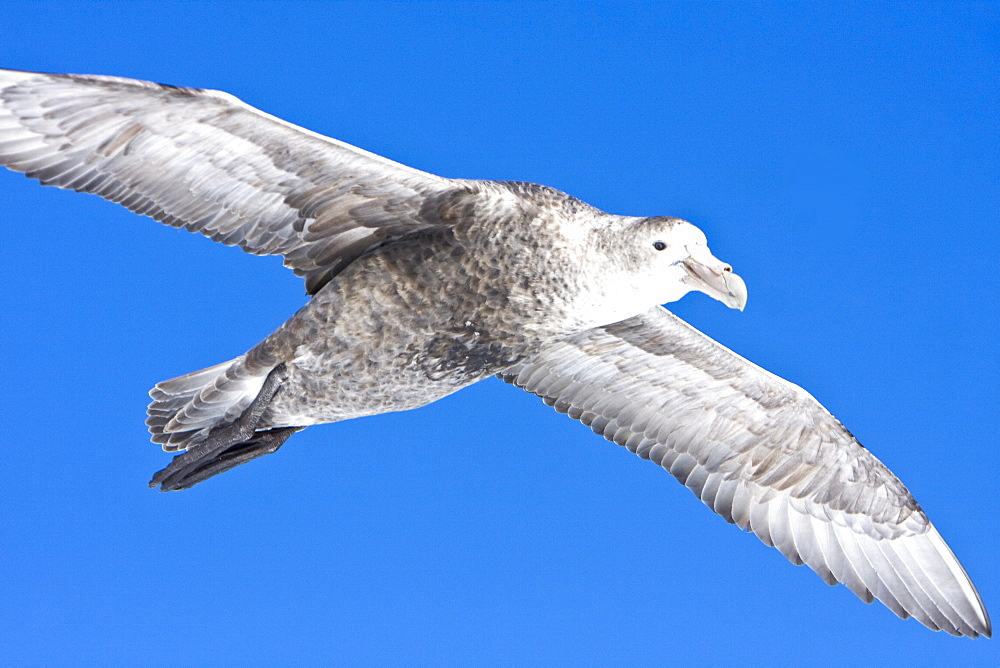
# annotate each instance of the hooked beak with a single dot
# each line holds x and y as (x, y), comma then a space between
(716, 279)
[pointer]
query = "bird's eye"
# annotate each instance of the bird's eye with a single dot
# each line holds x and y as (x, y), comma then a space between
(659, 245)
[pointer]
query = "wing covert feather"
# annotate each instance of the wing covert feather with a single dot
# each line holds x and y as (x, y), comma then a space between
(763, 454)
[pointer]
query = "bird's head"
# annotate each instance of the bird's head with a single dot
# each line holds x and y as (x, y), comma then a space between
(672, 257)
(659, 260)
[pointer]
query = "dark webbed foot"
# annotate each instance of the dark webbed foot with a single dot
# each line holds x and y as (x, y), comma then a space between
(174, 478)
(229, 445)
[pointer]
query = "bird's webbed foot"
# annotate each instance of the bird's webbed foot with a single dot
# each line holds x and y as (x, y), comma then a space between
(229, 445)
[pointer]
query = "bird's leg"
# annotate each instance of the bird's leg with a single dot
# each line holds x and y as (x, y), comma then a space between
(229, 445)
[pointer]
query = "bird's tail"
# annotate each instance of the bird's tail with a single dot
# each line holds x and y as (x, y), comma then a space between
(185, 409)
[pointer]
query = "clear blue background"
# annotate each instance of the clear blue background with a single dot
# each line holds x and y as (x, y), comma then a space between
(843, 157)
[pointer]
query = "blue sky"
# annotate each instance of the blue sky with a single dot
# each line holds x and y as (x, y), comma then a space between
(843, 158)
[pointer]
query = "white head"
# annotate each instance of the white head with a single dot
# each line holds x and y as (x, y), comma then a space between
(658, 260)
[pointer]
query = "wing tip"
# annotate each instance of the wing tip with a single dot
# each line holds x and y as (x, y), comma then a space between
(981, 626)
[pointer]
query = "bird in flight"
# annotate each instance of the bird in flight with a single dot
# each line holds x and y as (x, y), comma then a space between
(421, 285)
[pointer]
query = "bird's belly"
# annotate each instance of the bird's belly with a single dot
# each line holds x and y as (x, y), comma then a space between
(329, 384)
(400, 328)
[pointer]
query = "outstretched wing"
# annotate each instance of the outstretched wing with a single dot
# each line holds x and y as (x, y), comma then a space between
(205, 161)
(762, 453)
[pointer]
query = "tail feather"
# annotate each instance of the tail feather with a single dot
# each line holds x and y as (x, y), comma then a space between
(185, 409)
